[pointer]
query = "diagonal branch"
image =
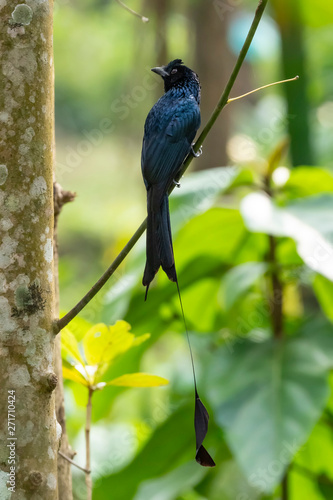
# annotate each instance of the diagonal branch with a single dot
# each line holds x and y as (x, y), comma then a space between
(62, 322)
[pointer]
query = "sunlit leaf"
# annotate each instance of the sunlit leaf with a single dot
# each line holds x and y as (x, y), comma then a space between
(320, 16)
(307, 181)
(74, 375)
(94, 343)
(103, 343)
(138, 380)
(70, 346)
(308, 221)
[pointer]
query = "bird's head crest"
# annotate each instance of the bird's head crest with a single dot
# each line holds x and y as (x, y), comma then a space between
(176, 74)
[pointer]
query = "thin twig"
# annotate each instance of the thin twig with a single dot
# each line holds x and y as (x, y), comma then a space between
(88, 424)
(124, 6)
(72, 462)
(62, 322)
(232, 99)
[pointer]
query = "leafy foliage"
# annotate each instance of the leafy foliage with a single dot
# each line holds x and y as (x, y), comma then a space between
(266, 395)
(101, 345)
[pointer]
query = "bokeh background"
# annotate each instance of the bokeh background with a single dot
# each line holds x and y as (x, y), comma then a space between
(269, 399)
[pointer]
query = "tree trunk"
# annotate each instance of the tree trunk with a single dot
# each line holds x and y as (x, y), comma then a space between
(213, 65)
(28, 421)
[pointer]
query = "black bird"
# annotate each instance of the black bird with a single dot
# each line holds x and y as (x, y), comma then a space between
(170, 128)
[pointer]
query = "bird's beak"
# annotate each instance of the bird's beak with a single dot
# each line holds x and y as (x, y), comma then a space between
(160, 70)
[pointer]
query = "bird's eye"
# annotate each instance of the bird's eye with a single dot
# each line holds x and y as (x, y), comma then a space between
(174, 71)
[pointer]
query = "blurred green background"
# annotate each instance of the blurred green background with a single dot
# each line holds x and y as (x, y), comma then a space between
(268, 393)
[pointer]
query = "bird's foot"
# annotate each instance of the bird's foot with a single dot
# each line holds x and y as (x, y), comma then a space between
(177, 184)
(199, 153)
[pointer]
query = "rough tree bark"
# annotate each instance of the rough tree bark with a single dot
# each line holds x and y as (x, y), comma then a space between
(26, 267)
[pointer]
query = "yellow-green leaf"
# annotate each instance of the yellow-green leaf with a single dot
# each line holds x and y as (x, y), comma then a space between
(102, 344)
(73, 374)
(94, 343)
(78, 326)
(120, 340)
(139, 380)
(70, 346)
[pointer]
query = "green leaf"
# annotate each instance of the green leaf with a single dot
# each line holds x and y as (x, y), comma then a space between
(216, 233)
(308, 221)
(307, 181)
(320, 16)
(69, 346)
(267, 397)
(138, 380)
(319, 335)
(198, 193)
(239, 279)
(169, 446)
(323, 289)
(171, 485)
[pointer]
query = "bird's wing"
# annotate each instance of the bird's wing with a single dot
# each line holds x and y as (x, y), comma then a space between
(167, 141)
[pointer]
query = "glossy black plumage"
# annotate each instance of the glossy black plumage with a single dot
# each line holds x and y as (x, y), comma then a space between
(170, 128)
(169, 131)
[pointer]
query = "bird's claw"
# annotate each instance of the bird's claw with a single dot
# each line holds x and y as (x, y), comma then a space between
(177, 184)
(199, 152)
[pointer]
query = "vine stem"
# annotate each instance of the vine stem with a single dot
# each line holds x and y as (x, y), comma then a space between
(87, 433)
(62, 322)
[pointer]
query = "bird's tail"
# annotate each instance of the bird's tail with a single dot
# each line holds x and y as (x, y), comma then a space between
(160, 253)
(159, 240)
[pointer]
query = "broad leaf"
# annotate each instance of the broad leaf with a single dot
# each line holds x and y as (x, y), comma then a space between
(308, 221)
(268, 397)
(307, 181)
(94, 343)
(102, 343)
(198, 193)
(138, 380)
(216, 233)
(172, 485)
(174, 439)
(239, 279)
